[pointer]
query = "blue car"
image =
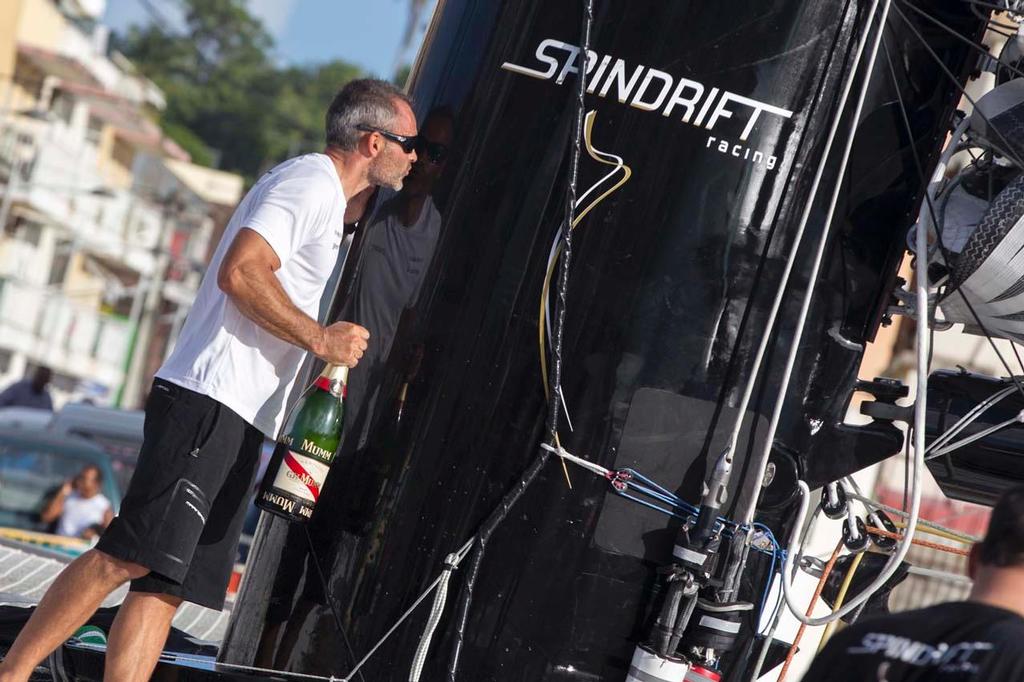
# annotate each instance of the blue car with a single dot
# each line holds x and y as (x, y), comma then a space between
(34, 465)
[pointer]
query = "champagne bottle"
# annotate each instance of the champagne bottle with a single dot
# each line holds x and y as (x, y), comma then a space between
(306, 448)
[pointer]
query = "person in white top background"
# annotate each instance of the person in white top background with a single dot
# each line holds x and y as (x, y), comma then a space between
(79, 508)
(223, 389)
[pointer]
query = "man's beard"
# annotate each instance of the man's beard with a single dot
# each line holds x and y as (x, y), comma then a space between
(382, 175)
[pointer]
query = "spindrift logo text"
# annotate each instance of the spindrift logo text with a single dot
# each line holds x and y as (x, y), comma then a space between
(650, 89)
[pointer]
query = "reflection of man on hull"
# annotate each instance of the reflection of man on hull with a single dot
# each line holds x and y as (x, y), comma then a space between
(222, 390)
(396, 253)
(398, 248)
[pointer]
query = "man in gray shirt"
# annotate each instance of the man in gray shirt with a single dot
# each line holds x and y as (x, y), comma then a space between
(398, 247)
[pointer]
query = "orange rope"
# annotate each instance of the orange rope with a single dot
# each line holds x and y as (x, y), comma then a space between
(828, 569)
(810, 609)
(920, 543)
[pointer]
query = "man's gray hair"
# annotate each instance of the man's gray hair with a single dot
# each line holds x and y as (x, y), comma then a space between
(366, 102)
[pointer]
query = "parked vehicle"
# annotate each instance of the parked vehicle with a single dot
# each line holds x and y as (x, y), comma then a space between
(117, 432)
(25, 418)
(34, 464)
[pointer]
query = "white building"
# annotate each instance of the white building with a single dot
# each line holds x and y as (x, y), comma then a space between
(85, 244)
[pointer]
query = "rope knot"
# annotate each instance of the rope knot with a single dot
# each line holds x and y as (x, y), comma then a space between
(619, 479)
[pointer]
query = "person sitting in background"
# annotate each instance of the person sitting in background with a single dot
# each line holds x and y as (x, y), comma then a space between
(29, 392)
(974, 640)
(79, 508)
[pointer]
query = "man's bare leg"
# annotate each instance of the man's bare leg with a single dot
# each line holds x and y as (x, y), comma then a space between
(72, 598)
(138, 636)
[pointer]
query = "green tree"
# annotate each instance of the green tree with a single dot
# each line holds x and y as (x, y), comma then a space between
(303, 95)
(225, 93)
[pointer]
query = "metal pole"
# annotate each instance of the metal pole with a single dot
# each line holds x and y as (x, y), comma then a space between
(134, 316)
(150, 309)
(12, 180)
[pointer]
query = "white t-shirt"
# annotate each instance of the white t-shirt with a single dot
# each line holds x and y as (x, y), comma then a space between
(80, 513)
(299, 208)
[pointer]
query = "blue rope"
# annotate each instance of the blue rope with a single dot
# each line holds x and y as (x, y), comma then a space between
(687, 512)
(680, 509)
(679, 501)
(653, 506)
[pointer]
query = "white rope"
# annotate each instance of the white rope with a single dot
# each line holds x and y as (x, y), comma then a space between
(578, 461)
(451, 563)
(440, 597)
(459, 556)
(867, 501)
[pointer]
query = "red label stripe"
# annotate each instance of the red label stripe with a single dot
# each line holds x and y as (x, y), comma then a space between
(303, 475)
(325, 384)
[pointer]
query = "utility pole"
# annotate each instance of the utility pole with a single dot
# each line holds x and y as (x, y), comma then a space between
(13, 179)
(146, 307)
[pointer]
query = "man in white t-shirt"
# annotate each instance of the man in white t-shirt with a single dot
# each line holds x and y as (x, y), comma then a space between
(79, 508)
(223, 389)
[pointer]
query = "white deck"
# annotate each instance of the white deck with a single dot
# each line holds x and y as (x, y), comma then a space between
(26, 572)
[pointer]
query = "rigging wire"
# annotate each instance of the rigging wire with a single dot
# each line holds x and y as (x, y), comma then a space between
(951, 31)
(544, 316)
(330, 601)
(762, 349)
(533, 470)
(819, 256)
(920, 169)
(920, 406)
(1016, 419)
(969, 418)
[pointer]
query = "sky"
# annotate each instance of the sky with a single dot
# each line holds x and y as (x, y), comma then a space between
(364, 32)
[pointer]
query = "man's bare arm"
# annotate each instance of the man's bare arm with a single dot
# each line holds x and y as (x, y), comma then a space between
(55, 505)
(247, 276)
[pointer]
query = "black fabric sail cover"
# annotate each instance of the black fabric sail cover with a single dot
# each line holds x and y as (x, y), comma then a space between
(708, 125)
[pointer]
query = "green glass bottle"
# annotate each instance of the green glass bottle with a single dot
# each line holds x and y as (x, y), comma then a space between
(306, 448)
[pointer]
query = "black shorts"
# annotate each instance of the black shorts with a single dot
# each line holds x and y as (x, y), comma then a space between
(182, 515)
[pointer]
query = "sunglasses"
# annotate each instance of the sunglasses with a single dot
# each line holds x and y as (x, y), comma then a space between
(434, 152)
(406, 142)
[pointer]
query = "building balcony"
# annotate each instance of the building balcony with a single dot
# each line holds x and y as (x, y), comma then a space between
(53, 329)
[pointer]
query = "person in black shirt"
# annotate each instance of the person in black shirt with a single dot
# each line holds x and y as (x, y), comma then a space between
(981, 639)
